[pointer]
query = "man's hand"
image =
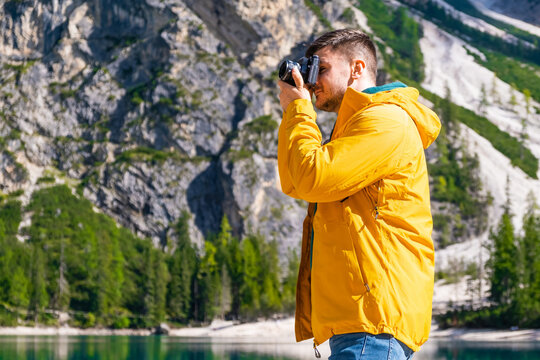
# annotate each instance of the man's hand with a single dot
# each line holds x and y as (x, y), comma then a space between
(289, 93)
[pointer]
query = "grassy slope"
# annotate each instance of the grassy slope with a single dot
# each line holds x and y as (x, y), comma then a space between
(381, 22)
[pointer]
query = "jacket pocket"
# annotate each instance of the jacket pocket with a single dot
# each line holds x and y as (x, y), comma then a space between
(335, 272)
(353, 240)
(364, 232)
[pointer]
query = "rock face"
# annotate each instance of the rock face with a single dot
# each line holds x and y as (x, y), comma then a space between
(154, 108)
(157, 107)
(525, 10)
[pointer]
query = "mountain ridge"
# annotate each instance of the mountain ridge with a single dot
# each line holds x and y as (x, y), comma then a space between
(93, 96)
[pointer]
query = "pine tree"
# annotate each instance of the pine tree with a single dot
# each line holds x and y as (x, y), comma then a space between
(229, 254)
(2, 230)
(447, 113)
(235, 269)
(226, 292)
(250, 289)
(155, 286)
(523, 135)
(182, 266)
(38, 292)
(61, 298)
(10, 215)
(494, 93)
(527, 94)
(6, 255)
(502, 262)
(208, 285)
(289, 282)
(18, 292)
(483, 101)
(270, 296)
(14, 282)
(110, 275)
(529, 290)
(162, 278)
(513, 101)
(149, 291)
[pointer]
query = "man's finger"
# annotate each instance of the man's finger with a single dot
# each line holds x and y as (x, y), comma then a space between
(298, 80)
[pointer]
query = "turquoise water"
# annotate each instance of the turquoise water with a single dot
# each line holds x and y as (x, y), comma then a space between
(129, 348)
(461, 350)
(165, 348)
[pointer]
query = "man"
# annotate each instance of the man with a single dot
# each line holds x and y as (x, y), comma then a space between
(366, 272)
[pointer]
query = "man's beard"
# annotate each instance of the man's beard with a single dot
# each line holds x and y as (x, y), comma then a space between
(333, 103)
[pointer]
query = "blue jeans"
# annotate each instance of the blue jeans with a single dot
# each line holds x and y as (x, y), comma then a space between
(364, 346)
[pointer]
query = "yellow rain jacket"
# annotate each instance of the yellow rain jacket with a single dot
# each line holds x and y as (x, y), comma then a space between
(367, 255)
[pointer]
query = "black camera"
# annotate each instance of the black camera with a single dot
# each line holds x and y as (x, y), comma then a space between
(309, 69)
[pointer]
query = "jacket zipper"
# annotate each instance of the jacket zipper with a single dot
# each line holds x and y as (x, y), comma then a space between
(374, 202)
(376, 208)
(375, 205)
(312, 239)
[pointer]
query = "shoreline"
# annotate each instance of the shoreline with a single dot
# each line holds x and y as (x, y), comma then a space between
(486, 335)
(281, 330)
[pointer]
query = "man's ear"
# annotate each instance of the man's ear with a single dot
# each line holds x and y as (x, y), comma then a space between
(357, 68)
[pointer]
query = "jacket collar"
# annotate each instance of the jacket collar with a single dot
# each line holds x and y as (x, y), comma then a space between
(385, 87)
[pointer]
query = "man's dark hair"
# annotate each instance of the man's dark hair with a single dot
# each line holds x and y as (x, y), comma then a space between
(351, 42)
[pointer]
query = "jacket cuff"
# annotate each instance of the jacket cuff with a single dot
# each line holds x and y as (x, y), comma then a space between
(300, 106)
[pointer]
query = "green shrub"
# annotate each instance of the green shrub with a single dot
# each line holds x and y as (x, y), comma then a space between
(243, 153)
(11, 216)
(262, 124)
(84, 320)
(136, 99)
(7, 317)
(16, 193)
(120, 319)
(135, 94)
(48, 319)
(166, 101)
(46, 180)
(21, 68)
(318, 13)
(348, 15)
(143, 153)
(67, 93)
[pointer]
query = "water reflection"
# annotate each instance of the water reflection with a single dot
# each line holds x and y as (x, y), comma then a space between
(132, 348)
(165, 348)
(463, 350)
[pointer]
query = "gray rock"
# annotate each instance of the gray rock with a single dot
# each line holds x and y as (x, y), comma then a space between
(157, 107)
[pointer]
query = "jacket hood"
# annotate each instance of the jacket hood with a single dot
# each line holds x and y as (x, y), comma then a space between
(427, 122)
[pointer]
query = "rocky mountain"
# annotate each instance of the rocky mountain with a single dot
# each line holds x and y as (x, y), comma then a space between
(525, 10)
(149, 108)
(152, 107)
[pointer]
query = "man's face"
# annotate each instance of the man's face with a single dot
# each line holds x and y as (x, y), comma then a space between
(334, 78)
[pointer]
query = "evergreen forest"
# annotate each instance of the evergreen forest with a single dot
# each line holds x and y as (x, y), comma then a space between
(60, 256)
(76, 261)
(513, 270)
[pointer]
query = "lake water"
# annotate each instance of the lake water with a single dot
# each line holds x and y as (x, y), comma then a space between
(165, 348)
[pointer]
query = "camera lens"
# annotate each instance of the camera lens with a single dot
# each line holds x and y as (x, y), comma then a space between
(285, 70)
